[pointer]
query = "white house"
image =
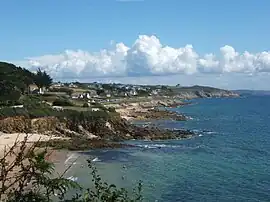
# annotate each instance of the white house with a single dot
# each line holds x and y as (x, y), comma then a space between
(95, 109)
(72, 85)
(75, 95)
(133, 93)
(154, 92)
(87, 95)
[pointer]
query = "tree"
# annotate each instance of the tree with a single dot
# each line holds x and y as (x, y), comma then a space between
(42, 79)
(14, 81)
(28, 176)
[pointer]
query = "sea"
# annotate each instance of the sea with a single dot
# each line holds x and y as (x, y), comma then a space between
(228, 159)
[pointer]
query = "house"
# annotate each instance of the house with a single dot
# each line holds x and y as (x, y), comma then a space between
(32, 87)
(81, 95)
(75, 95)
(57, 85)
(95, 109)
(133, 93)
(72, 85)
(154, 92)
(92, 101)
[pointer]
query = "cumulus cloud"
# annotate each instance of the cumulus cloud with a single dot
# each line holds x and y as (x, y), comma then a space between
(148, 56)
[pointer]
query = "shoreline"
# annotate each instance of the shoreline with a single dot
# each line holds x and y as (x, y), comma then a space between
(133, 111)
(62, 149)
(150, 110)
(130, 112)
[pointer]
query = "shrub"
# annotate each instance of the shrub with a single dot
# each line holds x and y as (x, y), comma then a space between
(99, 105)
(9, 103)
(62, 102)
(32, 101)
(11, 112)
(33, 180)
(62, 89)
(85, 105)
(111, 109)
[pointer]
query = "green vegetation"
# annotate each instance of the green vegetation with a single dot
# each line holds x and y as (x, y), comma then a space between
(30, 177)
(68, 91)
(14, 82)
(42, 79)
(85, 105)
(62, 102)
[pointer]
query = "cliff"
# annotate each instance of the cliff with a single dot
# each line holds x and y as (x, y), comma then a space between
(203, 92)
(86, 125)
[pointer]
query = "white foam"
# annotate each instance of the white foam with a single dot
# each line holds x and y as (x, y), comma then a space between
(71, 157)
(155, 146)
(72, 178)
(200, 135)
(210, 132)
(196, 131)
(96, 159)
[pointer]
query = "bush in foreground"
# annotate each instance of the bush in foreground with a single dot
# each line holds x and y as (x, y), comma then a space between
(26, 175)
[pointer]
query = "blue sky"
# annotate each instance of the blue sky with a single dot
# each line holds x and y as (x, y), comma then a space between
(33, 29)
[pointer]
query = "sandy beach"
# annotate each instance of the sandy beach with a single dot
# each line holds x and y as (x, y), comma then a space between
(8, 139)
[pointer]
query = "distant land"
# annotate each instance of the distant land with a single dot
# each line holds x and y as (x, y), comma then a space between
(252, 92)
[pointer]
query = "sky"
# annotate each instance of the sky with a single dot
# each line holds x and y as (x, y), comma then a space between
(208, 42)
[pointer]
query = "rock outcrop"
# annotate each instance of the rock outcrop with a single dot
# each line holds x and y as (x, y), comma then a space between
(114, 128)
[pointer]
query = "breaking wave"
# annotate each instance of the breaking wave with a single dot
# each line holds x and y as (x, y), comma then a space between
(72, 178)
(159, 146)
(96, 159)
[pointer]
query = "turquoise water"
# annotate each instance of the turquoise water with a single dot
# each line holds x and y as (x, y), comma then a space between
(228, 161)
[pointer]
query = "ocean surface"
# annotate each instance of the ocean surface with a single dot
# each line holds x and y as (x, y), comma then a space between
(229, 160)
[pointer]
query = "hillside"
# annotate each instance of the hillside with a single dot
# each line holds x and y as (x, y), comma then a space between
(203, 92)
(253, 92)
(14, 81)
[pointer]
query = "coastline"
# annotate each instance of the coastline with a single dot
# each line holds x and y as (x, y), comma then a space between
(61, 145)
(130, 111)
(8, 139)
(150, 110)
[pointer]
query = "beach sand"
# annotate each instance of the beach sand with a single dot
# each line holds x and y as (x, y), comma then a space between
(8, 139)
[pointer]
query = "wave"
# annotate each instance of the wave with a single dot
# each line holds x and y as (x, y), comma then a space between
(196, 131)
(210, 132)
(72, 178)
(72, 158)
(189, 118)
(201, 132)
(96, 159)
(159, 146)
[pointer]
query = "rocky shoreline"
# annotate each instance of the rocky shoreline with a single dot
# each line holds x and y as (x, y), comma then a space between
(81, 132)
(90, 130)
(151, 110)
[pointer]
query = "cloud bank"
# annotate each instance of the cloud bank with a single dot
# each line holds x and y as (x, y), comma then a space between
(146, 57)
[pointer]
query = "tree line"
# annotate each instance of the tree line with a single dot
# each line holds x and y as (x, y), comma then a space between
(15, 81)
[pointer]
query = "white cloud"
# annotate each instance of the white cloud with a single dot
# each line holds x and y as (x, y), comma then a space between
(146, 57)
